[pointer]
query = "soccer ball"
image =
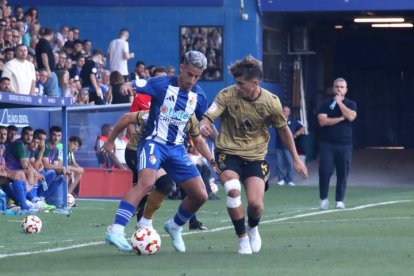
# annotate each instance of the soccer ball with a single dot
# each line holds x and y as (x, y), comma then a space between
(71, 200)
(31, 224)
(146, 241)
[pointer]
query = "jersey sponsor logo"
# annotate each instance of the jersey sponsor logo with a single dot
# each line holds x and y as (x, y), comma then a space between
(140, 83)
(213, 107)
(174, 114)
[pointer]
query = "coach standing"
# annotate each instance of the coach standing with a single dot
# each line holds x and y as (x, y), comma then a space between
(335, 116)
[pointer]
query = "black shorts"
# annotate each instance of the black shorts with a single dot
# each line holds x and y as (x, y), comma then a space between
(244, 168)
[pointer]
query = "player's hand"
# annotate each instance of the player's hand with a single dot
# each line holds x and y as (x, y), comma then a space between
(108, 146)
(301, 168)
(127, 89)
(215, 166)
(205, 129)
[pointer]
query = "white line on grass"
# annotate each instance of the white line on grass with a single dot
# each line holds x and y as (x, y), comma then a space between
(211, 230)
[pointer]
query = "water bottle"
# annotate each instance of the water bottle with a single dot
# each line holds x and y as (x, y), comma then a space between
(3, 201)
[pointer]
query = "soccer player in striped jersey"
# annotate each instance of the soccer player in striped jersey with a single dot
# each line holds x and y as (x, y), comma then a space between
(174, 101)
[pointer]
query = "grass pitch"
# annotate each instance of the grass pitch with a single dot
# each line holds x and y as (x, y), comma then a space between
(373, 236)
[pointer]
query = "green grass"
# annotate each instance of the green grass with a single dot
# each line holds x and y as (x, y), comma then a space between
(297, 239)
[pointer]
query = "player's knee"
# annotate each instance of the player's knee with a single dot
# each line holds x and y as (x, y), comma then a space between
(164, 184)
(233, 202)
(255, 206)
(232, 185)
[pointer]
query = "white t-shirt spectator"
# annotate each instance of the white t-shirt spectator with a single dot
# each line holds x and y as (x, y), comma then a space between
(21, 75)
(117, 61)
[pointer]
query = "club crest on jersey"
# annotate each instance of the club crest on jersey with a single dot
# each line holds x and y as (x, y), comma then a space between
(140, 83)
(191, 101)
(152, 159)
(174, 114)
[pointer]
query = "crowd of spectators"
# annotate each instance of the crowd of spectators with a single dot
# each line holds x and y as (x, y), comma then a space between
(35, 60)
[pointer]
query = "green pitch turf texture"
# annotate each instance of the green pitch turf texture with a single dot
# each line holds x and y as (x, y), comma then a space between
(373, 236)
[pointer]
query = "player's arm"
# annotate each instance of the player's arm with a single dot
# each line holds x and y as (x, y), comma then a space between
(212, 113)
(286, 136)
(95, 85)
(202, 147)
(123, 122)
(45, 60)
(299, 132)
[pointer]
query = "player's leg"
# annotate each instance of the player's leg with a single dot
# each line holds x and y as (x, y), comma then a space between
(342, 162)
(326, 169)
(185, 173)
(255, 174)
(231, 167)
(163, 186)
(150, 158)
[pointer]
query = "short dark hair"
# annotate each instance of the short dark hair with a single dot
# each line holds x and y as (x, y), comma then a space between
(76, 139)
(4, 78)
(26, 129)
(39, 131)
(12, 128)
(55, 129)
(97, 52)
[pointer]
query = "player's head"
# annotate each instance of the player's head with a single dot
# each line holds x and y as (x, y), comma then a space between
(75, 143)
(247, 73)
(191, 69)
(27, 134)
(124, 33)
(286, 111)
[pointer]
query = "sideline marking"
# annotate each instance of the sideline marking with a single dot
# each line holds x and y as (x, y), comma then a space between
(2, 256)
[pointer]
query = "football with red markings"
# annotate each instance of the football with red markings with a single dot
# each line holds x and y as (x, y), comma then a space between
(146, 241)
(32, 224)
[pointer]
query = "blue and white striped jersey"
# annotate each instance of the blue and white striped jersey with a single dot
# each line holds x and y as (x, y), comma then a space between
(171, 108)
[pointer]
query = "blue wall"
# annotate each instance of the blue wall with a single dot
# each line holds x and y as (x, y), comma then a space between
(154, 30)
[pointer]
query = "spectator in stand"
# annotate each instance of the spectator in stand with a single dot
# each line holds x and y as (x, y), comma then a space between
(61, 60)
(104, 82)
(16, 38)
(76, 171)
(116, 80)
(5, 85)
(76, 33)
(83, 97)
(21, 72)
(41, 79)
(139, 71)
(46, 60)
(170, 70)
(18, 12)
(77, 67)
(7, 38)
(66, 86)
(118, 53)
(89, 77)
(78, 48)
(62, 36)
(68, 63)
(86, 48)
(34, 14)
(8, 54)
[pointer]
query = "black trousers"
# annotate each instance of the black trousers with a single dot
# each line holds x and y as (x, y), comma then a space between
(334, 156)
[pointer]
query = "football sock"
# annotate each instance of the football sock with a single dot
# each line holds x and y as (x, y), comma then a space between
(124, 213)
(182, 216)
(239, 226)
(31, 195)
(154, 202)
(144, 222)
(19, 190)
(252, 222)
